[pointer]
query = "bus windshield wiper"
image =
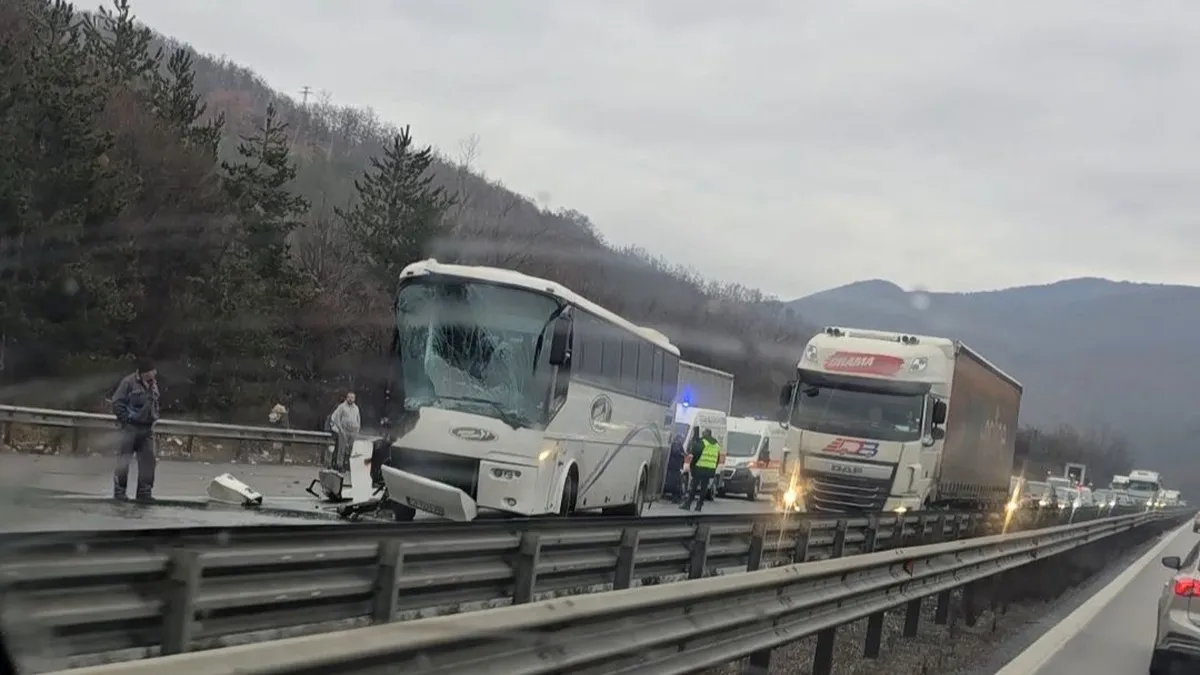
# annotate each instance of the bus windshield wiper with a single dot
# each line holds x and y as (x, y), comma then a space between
(512, 419)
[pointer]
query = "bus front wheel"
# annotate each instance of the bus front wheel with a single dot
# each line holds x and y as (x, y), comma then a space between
(566, 505)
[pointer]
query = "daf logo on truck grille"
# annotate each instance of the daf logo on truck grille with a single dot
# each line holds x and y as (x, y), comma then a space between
(852, 448)
(473, 434)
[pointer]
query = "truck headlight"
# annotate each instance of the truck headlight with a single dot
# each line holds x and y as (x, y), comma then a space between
(790, 497)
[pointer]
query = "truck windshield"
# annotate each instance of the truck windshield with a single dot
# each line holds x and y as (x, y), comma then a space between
(475, 347)
(741, 444)
(879, 415)
(1142, 486)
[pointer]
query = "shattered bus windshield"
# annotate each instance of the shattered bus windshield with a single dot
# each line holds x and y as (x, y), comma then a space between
(476, 347)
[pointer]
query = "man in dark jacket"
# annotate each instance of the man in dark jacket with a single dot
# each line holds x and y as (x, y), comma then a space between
(673, 481)
(135, 405)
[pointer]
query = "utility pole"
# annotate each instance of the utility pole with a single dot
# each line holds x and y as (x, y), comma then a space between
(304, 92)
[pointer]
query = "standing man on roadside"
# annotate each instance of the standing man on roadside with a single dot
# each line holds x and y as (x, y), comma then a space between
(345, 423)
(135, 405)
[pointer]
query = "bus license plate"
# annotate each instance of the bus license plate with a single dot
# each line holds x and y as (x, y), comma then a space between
(422, 505)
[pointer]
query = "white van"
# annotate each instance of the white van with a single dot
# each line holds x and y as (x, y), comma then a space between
(753, 457)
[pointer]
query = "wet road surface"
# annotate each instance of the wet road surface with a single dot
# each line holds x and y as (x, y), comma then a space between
(30, 483)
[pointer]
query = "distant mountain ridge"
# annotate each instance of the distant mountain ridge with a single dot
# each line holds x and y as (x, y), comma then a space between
(1089, 351)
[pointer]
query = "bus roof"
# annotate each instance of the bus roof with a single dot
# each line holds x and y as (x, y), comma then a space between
(520, 280)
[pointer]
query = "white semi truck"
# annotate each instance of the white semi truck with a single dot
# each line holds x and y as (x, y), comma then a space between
(1144, 486)
(884, 421)
(1168, 499)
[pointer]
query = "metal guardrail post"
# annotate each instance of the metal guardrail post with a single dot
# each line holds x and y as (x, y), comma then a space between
(912, 612)
(626, 558)
(528, 556)
(897, 539)
(874, 640)
(941, 612)
(823, 654)
(758, 539)
(699, 558)
(183, 586)
(759, 663)
(800, 550)
(387, 580)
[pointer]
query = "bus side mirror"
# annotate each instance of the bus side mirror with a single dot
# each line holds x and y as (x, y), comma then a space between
(937, 433)
(560, 342)
(785, 394)
(939, 412)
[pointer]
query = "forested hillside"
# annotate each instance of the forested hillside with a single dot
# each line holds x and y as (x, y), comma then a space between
(198, 217)
(161, 203)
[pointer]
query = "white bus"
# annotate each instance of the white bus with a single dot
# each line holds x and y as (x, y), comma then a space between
(514, 394)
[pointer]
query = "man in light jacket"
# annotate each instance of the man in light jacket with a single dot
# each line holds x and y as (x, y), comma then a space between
(345, 423)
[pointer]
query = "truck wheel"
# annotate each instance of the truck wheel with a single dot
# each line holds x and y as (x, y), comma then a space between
(752, 493)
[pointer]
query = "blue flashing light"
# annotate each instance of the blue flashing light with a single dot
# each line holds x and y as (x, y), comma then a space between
(685, 397)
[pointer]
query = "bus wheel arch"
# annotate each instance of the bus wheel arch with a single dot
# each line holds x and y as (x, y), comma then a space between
(640, 488)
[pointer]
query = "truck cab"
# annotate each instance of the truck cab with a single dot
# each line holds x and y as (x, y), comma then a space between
(1144, 487)
(874, 426)
(753, 457)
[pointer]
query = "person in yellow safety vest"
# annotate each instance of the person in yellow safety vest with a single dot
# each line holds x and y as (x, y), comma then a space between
(704, 469)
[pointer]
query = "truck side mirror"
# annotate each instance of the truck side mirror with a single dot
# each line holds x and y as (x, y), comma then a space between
(560, 343)
(939, 412)
(785, 394)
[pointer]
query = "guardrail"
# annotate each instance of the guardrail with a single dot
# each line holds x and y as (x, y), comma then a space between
(78, 424)
(680, 628)
(171, 591)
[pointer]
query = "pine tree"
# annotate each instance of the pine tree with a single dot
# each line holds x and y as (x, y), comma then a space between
(178, 103)
(56, 185)
(121, 47)
(258, 185)
(399, 210)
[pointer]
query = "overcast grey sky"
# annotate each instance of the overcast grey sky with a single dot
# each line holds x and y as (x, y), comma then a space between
(790, 145)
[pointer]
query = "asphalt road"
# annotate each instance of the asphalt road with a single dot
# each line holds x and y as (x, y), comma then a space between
(1114, 637)
(282, 485)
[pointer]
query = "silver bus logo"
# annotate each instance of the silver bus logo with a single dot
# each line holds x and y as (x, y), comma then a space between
(602, 412)
(473, 434)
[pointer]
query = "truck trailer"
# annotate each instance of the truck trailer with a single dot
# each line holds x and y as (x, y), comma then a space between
(883, 421)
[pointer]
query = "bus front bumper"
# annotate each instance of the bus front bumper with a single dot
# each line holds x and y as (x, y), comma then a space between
(429, 496)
